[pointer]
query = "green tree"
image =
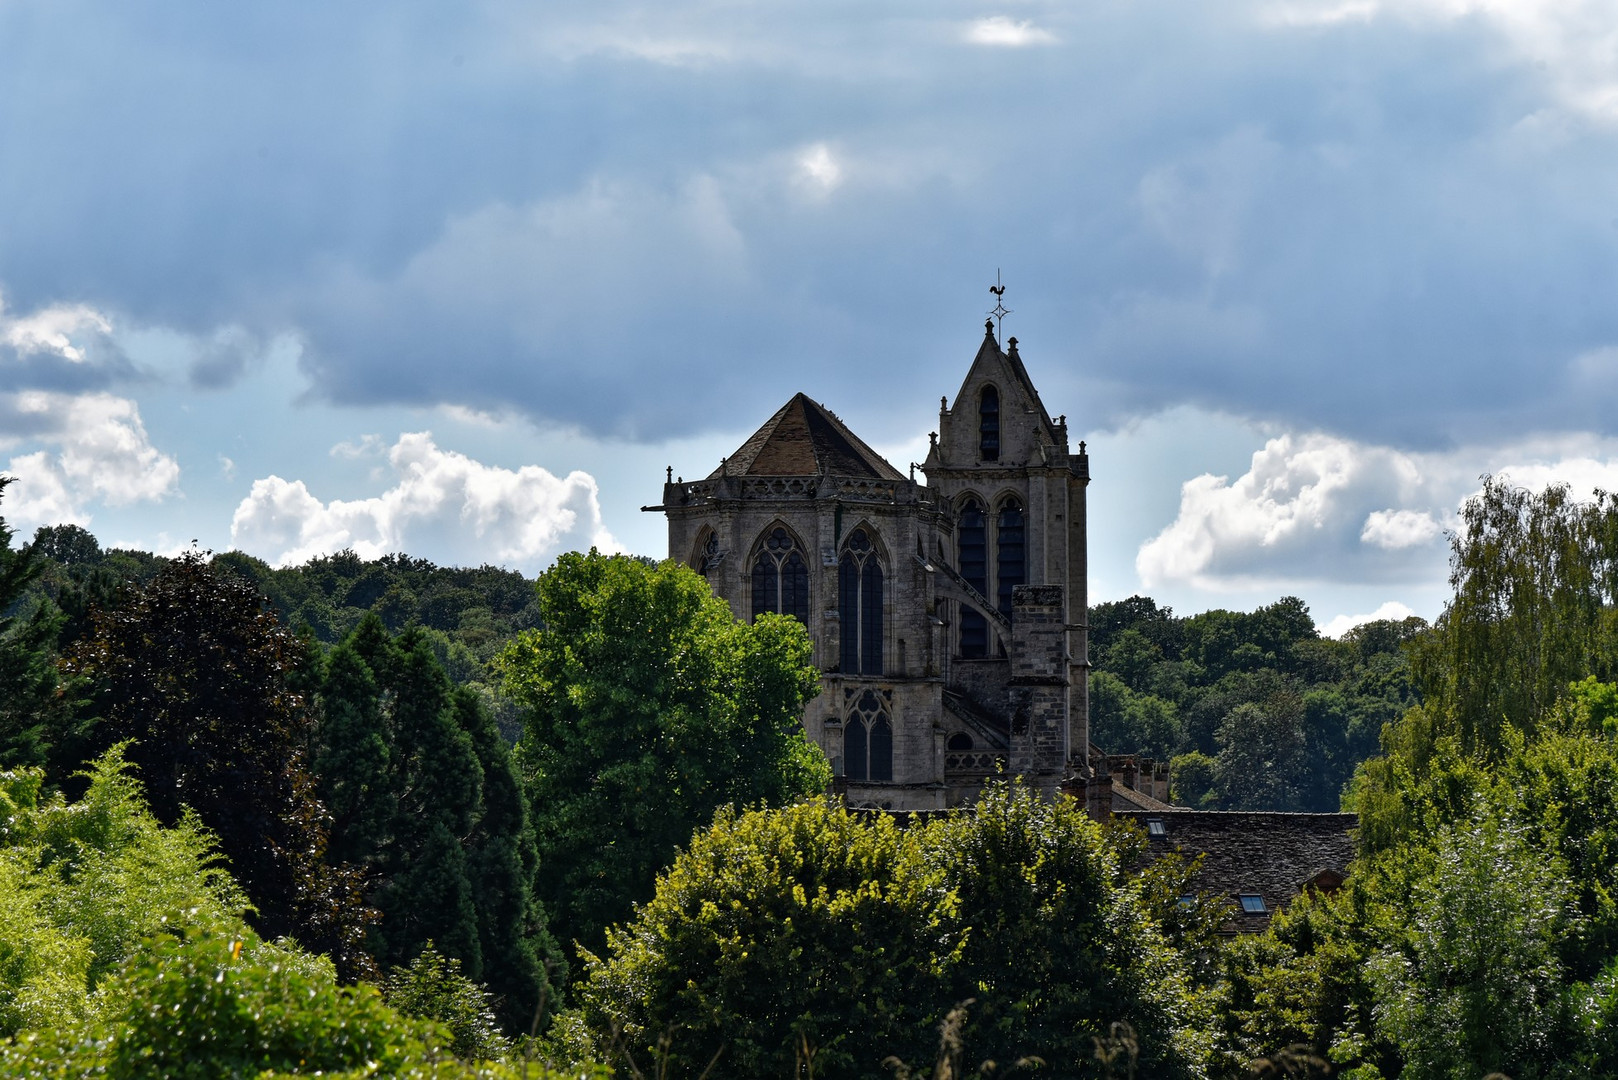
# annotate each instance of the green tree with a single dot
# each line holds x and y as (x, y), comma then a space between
(1052, 942)
(1474, 984)
(776, 935)
(1193, 780)
(822, 937)
(1261, 761)
(648, 706)
(433, 988)
(425, 796)
(1534, 580)
(32, 705)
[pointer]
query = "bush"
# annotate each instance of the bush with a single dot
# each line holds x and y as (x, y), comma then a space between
(819, 937)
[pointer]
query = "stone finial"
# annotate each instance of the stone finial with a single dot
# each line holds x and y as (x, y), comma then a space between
(932, 437)
(988, 327)
(1081, 446)
(670, 472)
(1011, 343)
(724, 464)
(943, 403)
(1061, 421)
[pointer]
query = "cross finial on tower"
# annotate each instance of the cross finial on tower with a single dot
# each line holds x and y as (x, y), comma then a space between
(999, 311)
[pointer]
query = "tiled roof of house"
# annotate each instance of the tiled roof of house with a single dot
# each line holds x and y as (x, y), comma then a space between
(803, 438)
(1268, 855)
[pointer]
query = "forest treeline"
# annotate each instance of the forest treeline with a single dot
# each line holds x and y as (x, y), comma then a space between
(1254, 710)
(316, 845)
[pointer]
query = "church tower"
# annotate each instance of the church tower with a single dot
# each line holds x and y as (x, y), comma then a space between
(1001, 470)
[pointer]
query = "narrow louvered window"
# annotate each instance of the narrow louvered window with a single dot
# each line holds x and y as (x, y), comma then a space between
(1010, 552)
(989, 424)
(975, 569)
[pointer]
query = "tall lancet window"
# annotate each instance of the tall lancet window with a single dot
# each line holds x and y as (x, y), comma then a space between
(859, 606)
(868, 741)
(1010, 552)
(973, 539)
(781, 577)
(989, 424)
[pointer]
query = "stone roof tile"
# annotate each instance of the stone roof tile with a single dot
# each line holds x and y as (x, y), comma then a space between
(803, 438)
(1265, 854)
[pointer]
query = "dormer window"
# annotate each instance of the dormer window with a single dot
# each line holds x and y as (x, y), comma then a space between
(989, 424)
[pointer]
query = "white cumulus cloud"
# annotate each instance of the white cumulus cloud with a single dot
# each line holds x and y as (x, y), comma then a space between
(93, 447)
(1339, 625)
(1394, 529)
(998, 30)
(1290, 510)
(444, 506)
(54, 330)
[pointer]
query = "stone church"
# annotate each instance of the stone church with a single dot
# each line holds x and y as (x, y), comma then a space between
(948, 621)
(947, 617)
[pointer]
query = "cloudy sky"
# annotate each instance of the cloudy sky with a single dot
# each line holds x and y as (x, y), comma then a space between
(462, 280)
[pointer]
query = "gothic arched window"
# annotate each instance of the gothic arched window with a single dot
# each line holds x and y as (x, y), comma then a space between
(781, 577)
(1010, 551)
(989, 424)
(868, 741)
(859, 606)
(973, 543)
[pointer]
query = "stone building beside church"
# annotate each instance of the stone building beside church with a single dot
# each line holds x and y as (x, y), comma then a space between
(947, 617)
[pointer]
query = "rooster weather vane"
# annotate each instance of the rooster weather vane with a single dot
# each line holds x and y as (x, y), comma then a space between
(999, 311)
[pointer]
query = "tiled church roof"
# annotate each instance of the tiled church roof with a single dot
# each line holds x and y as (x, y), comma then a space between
(1273, 855)
(804, 439)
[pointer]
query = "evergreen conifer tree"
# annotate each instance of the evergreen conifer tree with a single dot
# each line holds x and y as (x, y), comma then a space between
(425, 797)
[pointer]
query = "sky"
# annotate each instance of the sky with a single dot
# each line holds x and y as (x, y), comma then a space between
(463, 280)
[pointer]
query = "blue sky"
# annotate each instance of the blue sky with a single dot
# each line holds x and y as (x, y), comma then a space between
(462, 279)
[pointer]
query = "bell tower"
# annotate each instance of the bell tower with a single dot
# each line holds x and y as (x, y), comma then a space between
(1012, 499)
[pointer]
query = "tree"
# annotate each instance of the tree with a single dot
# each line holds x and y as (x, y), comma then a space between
(648, 706)
(1261, 756)
(425, 797)
(1535, 577)
(193, 672)
(1193, 780)
(32, 706)
(1474, 986)
(822, 937)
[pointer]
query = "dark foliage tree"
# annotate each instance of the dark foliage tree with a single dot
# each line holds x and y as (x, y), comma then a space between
(425, 797)
(194, 672)
(648, 707)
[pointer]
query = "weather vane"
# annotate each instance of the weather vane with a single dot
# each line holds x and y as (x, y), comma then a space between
(999, 311)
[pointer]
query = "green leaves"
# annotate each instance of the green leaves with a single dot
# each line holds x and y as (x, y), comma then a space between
(816, 931)
(648, 706)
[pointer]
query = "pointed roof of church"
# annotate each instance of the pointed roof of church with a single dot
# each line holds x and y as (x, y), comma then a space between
(804, 439)
(989, 355)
